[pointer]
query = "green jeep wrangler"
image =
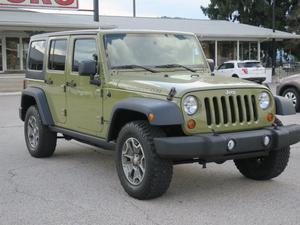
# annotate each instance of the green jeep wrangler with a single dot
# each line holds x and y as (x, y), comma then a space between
(150, 96)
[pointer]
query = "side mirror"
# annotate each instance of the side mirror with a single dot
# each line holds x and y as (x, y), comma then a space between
(87, 68)
(211, 64)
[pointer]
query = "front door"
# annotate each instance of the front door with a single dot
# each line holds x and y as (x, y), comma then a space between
(55, 78)
(84, 100)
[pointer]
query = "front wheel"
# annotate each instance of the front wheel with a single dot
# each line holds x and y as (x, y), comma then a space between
(267, 167)
(142, 173)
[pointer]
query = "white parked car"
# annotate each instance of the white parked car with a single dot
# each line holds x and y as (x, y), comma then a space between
(249, 70)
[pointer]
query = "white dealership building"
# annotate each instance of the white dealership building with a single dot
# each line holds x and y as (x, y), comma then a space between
(221, 40)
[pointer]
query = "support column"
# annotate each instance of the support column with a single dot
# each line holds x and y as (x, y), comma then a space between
(238, 50)
(4, 59)
(258, 51)
(216, 53)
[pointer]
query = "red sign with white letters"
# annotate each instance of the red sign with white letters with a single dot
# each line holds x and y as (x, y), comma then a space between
(66, 4)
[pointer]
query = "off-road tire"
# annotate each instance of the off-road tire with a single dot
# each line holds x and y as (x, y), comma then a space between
(46, 143)
(267, 167)
(158, 172)
(297, 95)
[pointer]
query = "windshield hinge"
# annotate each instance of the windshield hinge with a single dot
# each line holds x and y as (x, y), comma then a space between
(65, 112)
(172, 93)
(102, 120)
(102, 94)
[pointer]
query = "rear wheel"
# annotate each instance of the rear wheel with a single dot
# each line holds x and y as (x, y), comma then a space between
(293, 95)
(40, 141)
(267, 167)
(143, 174)
(235, 76)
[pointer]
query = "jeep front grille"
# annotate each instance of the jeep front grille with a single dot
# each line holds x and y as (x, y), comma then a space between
(226, 110)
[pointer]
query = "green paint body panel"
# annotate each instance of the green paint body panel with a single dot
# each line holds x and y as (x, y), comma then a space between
(87, 108)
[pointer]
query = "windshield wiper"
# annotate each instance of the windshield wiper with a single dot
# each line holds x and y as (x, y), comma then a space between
(134, 67)
(176, 65)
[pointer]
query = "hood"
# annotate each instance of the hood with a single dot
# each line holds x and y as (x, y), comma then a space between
(184, 83)
(295, 78)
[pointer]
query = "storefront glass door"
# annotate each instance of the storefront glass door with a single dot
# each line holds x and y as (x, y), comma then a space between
(1, 62)
(13, 54)
(25, 42)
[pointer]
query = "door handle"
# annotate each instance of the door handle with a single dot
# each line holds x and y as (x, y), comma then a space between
(49, 82)
(71, 83)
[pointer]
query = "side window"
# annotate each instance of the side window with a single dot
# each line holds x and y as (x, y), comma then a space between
(57, 55)
(229, 66)
(36, 55)
(84, 49)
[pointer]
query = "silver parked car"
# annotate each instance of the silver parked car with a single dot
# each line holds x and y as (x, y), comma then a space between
(290, 88)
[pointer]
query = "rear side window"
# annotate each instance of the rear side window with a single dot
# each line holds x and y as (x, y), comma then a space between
(57, 55)
(36, 55)
(84, 49)
(229, 66)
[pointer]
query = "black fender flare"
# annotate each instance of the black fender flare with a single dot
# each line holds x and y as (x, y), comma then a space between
(284, 107)
(166, 112)
(41, 102)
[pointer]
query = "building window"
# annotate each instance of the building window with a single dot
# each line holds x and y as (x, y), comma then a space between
(209, 49)
(13, 54)
(248, 50)
(85, 49)
(227, 50)
(36, 55)
(57, 55)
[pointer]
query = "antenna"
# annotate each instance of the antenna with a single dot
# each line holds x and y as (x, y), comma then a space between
(96, 10)
(134, 9)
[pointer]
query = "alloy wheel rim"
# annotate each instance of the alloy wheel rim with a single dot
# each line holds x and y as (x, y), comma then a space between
(33, 132)
(291, 96)
(133, 161)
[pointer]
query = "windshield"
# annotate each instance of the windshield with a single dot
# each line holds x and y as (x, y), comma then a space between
(153, 50)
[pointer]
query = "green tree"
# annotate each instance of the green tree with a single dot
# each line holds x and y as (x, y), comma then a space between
(253, 12)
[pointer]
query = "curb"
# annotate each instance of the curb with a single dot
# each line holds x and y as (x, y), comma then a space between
(9, 93)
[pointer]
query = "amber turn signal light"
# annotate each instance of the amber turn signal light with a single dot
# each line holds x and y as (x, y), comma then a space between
(270, 117)
(191, 124)
(151, 117)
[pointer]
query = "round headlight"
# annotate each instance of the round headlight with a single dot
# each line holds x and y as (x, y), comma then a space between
(264, 100)
(190, 105)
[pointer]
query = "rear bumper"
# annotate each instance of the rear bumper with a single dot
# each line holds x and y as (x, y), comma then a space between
(215, 146)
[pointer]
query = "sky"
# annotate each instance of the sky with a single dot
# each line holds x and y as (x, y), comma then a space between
(152, 8)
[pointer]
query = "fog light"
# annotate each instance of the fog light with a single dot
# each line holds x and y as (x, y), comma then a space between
(230, 145)
(267, 140)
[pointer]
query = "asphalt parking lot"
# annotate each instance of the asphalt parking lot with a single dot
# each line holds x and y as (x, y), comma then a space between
(79, 185)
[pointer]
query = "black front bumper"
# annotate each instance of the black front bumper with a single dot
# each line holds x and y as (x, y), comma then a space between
(210, 147)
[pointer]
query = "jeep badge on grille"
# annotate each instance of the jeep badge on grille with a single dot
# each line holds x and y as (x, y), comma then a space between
(230, 92)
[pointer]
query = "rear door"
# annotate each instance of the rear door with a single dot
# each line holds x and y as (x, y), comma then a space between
(255, 69)
(55, 78)
(84, 101)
